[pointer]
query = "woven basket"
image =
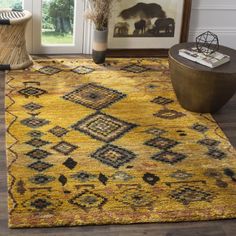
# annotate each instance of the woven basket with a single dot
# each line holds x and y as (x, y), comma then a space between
(13, 53)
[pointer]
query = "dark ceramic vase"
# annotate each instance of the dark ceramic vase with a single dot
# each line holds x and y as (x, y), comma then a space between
(99, 46)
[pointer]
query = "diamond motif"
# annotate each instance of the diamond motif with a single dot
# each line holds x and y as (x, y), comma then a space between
(37, 142)
(162, 101)
(179, 174)
(169, 157)
(113, 156)
(40, 166)
(187, 194)
(94, 96)
(102, 178)
(155, 131)
(135, 68)
(213, 173)
(62, 179)
(151, 178)
(83, 176)
(217, 154)
(32, 91)
(41, 179)
(49, 70)
(64, 148)
(83, 70)
(38, 154)
(32, 106)
(181, 133)
(199, 128)
(103, 127)
(230, 173)
(209, 142)
(34, 122)
(88, 200)
(35, 134)
(169, 114)
(135, 197)
(121, 176)
(58, 131)
(161, 143)
(70, 163)
(41, 202)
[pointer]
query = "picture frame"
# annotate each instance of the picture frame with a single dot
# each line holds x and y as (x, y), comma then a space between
(119, 45)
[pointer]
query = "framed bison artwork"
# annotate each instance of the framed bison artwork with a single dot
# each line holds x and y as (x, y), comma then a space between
(147, 27)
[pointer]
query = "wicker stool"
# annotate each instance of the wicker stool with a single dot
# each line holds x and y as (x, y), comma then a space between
(13, 53)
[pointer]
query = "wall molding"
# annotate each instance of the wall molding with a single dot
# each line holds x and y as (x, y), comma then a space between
(208, 7)
(214, 30)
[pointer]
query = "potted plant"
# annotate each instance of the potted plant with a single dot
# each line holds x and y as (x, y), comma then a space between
(99, 13)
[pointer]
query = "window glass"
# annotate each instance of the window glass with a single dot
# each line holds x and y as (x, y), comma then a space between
(15, 4)
(57, 22)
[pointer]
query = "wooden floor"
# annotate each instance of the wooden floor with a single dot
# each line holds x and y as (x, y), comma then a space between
(226, 119)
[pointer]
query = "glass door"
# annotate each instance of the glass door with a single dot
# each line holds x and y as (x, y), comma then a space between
(57, 26)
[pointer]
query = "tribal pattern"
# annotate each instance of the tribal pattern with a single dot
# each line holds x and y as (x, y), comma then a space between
(109, 144)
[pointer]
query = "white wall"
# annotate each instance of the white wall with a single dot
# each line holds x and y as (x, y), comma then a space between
(218, 16)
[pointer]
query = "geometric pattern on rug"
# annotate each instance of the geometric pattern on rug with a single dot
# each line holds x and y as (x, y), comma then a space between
(83, 70)
(38, 154)
(40, 166)
(180, 174)
(151, 178)
(103, 127)
(135, 68)
(187, 194)
(70, 163)
(35, 134)
(41, 202)
(169, 157)
(94, 96)
(216, 154)
(64, 148)
(41, 179)
(113, 156)
(110, 144)
(135, 197)
(199, 128)
(58, 131)
(49, 70)
(32, 106)
(161, 143)
(32, 91)
(37, 142)
(209, 142)
(169, 114)
(162, 101)
(88, 200)
(34, 122)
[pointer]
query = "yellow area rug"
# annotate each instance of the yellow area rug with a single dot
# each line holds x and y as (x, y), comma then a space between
(109, 144)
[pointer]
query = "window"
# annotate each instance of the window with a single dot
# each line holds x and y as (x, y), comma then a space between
(58, 26)
(58, 22)
(14, 4)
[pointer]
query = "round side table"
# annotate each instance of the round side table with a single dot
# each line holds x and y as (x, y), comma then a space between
(13, 53)
(199, 88)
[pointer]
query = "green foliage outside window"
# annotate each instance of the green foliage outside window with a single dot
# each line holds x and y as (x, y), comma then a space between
(14, 4)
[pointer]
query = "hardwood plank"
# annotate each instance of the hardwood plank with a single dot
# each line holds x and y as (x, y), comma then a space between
(227, 121)
(203, 231)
